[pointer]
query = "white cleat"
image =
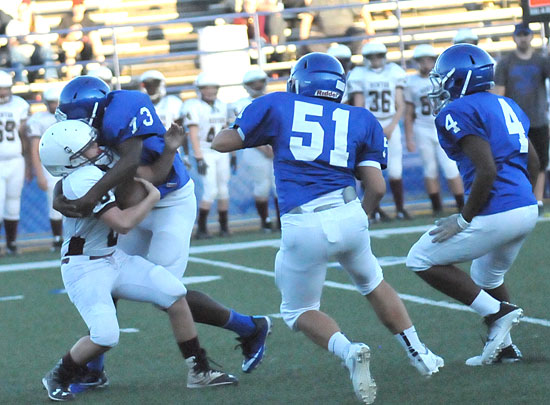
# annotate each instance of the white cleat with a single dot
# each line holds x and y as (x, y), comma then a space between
(499, 325)
(357, 363)
(427, 363)
(509, 354)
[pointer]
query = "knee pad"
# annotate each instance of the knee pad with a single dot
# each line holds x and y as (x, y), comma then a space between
(12, 208)
(170, 288)
(415, 262)
(291, 316)
(105, 332)
(487, 279)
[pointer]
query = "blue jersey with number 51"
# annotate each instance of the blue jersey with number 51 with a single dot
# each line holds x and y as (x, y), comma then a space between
(131, 113)
(501, 122)
(317, 144)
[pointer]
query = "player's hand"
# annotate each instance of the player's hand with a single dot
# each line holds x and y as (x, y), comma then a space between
(42, 182)
(233, 164)
(66, 207)
(149, 187)
(448, 227)
(411, 146)
(388, 131)
(201, 166)
(174, 137)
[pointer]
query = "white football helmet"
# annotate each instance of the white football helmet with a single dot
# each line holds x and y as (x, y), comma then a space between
(5, 84)
(255, 75)
(374, 48)
(207, 79)
(52, 93)
(153, 83)
(103, 73)
(424, 50)
(465, 36)
(63, 144)
(339, 51)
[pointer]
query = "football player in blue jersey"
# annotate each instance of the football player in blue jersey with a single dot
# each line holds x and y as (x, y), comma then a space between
(485, 134)
(319, 145)
(128, 124)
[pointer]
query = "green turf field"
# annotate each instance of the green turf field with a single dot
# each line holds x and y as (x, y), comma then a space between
(38, 326)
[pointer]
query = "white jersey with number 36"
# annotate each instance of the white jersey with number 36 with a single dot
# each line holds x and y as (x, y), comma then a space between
(11, 115)
(210, 119)
(378, 87)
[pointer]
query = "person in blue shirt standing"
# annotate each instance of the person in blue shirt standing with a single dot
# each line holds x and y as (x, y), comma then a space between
(128, 124)
(319, 145)
(486, 135)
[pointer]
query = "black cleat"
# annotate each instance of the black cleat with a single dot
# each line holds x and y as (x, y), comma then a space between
(90, 379)
(57, 383)
(202, 235)
(403, 215)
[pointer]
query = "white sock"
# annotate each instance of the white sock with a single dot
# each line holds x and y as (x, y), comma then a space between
(485, 305)
(339, 344)
(409, 340)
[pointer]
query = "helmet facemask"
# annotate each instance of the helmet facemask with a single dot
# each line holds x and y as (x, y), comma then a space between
(439, 97)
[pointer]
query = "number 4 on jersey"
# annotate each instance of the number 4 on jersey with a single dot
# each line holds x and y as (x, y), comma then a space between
(514, 125)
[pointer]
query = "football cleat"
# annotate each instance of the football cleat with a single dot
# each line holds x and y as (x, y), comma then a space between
(357, 362)
(201, 235)
(202, 376)
(89, 380)
(11, 249)
(57, 382)
(509, 354)
(403, 215)
(253, 346)
(378, 215)
(426, 363)
(499, 325)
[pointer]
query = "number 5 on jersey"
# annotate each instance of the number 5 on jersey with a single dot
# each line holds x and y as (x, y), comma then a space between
(339, 154)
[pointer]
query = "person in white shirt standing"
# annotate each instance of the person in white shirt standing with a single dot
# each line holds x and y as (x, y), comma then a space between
(420, 132)
(204, 117)
(260, 159)
(378, 86)
(36, 126)
(14, 166)
(168, 108)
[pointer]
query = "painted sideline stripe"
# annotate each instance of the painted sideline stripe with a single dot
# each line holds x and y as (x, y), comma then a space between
(12, 297)
(29, 266)
(349, 287)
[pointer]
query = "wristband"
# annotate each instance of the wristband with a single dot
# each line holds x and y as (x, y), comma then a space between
(462, 223)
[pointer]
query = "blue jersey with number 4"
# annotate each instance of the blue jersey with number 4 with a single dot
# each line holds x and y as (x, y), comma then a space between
(317, 144)
(131, 113)
(499, 121)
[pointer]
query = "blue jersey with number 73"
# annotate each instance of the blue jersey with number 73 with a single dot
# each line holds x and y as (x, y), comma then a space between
(317, 144)
(502, 123)
(131, 113)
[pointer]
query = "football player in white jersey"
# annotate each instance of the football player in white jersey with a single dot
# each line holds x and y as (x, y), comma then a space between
(14, 165)
(378, 86)
(343, 54)
(204, 117)
(260, 159)
(420, 132)
(95, 271)
(103, 73)
(168, 108)
(36, 126)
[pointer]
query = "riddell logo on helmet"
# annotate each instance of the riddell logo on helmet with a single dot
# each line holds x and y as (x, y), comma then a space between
(327, 93)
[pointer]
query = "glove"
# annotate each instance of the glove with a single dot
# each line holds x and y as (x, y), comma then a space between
(233, 164)
(201, 167)
(448, 227)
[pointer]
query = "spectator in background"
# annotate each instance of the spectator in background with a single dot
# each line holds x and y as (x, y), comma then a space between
(204, 117)
(420, 132)
(14, 165)
(78, 45)
(258, 160)
(36, 126)
(521, 76)
(465, 36)
(168, 108)
(331, 23)
(271, 27)
(378, 86)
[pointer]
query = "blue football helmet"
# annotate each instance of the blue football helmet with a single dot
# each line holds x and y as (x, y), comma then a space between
(460, 70)
(83, 98)
(318, 75)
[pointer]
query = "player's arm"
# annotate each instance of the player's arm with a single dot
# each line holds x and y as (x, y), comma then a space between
(130, 154)
(26, 149)
(409, 122)
(479, 152)
(399, 111)
(122, 221)
(374, 185)
(227, 140)
(157, 172)
(195, 142)
(533, 165)
(357, 99)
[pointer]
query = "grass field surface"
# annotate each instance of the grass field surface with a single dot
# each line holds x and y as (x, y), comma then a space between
(38, 324)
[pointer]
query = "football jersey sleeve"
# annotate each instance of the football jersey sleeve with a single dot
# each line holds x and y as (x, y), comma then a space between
(191, 112)
(400, 75)
(374, 150)
(254, 122)
(34, 128)
(355, 82)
